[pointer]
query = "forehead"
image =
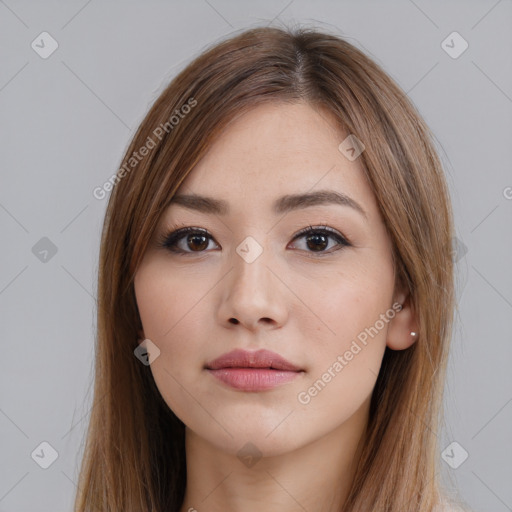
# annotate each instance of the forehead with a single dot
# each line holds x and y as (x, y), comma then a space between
(275, 150)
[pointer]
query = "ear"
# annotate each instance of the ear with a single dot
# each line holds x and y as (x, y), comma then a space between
(404, 323)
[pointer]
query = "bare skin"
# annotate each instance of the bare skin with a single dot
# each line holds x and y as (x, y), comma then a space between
(307, 299)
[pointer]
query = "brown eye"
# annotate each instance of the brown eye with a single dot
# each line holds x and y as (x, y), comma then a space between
(320, 240)
(187, 240)
(317, 240)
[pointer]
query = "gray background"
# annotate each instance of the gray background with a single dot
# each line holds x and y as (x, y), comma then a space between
(66, 121)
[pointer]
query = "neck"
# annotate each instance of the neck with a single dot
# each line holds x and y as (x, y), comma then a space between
(313, 477)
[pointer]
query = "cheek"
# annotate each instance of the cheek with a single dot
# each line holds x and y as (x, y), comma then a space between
(166, 302)
(336, 308)
(347, 354)
(346, 336)
(171, 311)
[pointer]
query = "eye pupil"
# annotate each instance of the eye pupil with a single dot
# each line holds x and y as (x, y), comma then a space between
(195, 237)
(318, 238)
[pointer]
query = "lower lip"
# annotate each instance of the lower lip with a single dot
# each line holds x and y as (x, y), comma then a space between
(253, 379)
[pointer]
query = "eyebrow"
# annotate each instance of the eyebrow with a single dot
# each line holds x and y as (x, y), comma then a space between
(282, 205)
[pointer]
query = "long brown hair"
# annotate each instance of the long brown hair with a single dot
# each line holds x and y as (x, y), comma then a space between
(134, 456)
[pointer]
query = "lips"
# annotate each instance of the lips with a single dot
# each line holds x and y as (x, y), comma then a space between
(260, 359)
(253, 371)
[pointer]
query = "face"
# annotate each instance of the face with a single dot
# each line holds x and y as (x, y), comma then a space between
(309, 280)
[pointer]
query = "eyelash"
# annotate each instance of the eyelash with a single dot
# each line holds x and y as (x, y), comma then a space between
(169, 241)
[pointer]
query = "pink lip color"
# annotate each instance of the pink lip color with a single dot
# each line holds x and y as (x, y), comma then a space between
(253, 371)
(253, 379)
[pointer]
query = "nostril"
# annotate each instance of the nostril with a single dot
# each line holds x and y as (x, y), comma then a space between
(234, 321)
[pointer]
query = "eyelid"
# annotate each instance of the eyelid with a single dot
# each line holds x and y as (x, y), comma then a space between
(322, 227)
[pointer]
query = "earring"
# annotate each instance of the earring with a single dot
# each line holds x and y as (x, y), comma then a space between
(413, 333)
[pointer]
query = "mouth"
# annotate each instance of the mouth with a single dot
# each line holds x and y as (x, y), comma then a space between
(253, 371)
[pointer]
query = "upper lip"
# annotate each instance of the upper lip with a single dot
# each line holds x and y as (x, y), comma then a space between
(260, 359)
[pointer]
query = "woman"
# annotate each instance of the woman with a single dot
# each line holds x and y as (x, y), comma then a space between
(275, 291)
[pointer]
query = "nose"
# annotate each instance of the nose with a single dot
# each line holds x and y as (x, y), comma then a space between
(253, 295)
